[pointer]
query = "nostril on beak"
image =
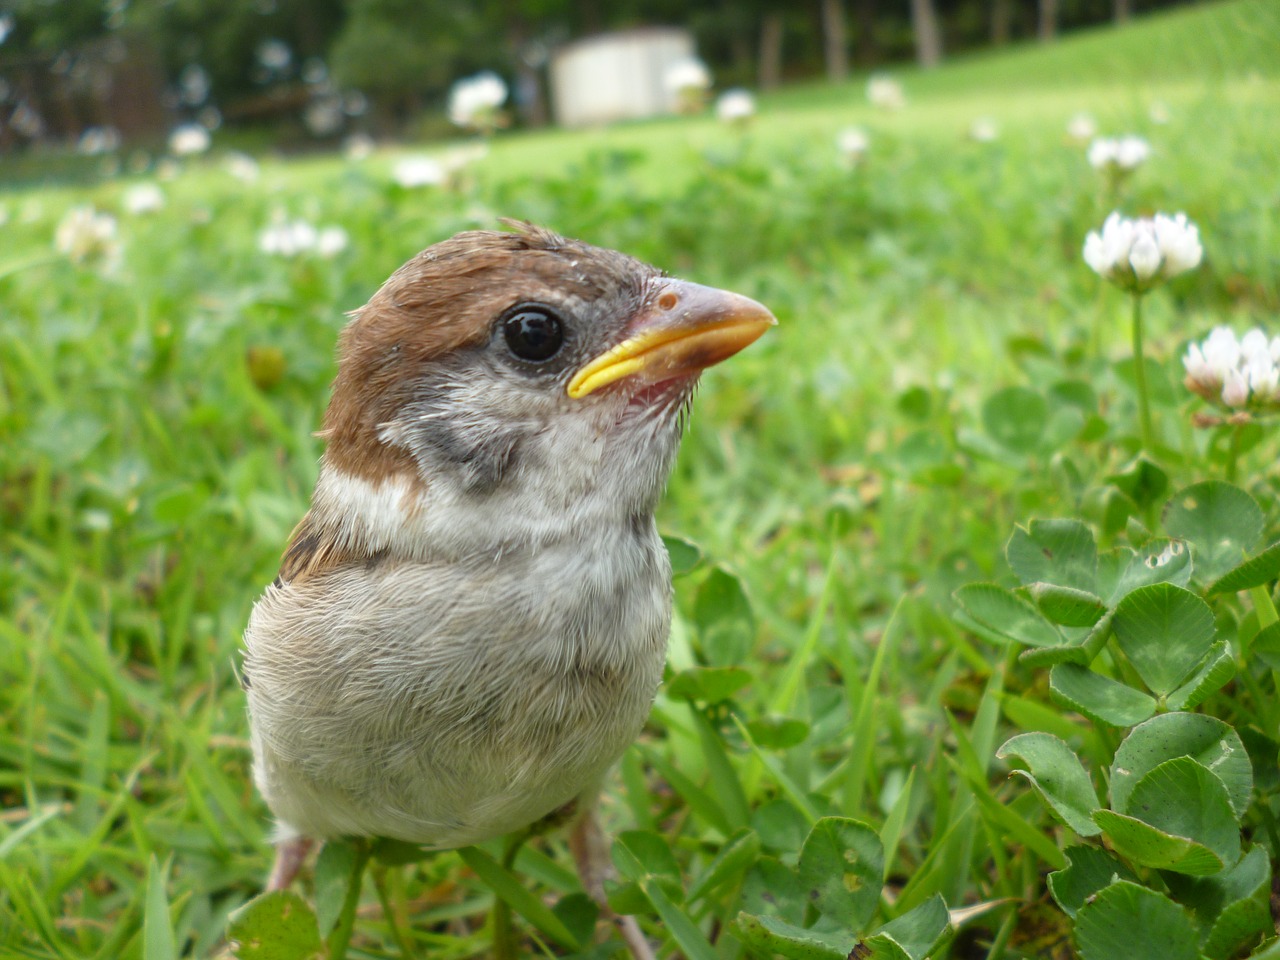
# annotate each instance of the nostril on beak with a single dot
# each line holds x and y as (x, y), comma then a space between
(668, 301)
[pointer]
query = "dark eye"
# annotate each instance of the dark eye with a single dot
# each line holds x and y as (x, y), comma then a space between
(533, 332)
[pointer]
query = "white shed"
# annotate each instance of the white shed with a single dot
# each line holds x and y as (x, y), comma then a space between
(617, 76)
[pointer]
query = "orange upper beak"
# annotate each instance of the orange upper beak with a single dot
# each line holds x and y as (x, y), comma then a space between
(683, 328)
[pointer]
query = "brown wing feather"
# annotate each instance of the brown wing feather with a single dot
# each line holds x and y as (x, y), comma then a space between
(311, 552)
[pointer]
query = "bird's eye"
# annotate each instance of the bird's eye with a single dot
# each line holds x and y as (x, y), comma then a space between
(533, 332)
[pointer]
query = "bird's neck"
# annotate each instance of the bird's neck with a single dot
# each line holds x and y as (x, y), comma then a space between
(397, 515)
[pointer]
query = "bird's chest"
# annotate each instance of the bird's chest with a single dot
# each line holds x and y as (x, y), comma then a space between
(572, 647)
(467, 696)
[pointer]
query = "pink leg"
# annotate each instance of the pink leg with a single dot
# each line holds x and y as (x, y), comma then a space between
(591, 852)
(289, 856)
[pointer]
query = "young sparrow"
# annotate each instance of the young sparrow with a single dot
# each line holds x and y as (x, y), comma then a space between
(469, 624)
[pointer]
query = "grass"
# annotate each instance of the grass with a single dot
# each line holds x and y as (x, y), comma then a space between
(840, 471)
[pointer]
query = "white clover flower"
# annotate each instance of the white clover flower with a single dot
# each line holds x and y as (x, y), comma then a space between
(687, 80)
(242, 166)
(291, 238)
(688, 73)
(411, 172)
(194, 85)
(331, 241)
(26, 120)
(1136, 254)
(1179, 242)
(358, 146)
(274, 54)
(1235, 392)
(984, 130)
(1235, 373)
(853, 143)
(1082, 128)
(1118, 156)
(1264, 379)
(86, 236)
(885, 92)
(323, 116)
(474, 101)
(188, 139)
(736, 106)
(143, 198)
(1253, 343)
(288, 238)
(98, 140)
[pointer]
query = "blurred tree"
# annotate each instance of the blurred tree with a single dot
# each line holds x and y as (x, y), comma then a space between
(866, 47)
(833, 40)
(1047, 23)
(398, 51)
(769, 75)
(40, 28)
(924, 21)
(1001, 19)
(273, 59)
(406, 53)
(228, 42)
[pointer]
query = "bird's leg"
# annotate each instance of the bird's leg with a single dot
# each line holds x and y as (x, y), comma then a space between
(290, 854)
(590, 850)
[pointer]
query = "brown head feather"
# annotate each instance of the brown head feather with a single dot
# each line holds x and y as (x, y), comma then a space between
(445, 298)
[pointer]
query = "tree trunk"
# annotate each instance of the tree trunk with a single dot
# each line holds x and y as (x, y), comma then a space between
(1047, 30)
(928, 38)
(770, 51)
(866, 49)
(833, 39)
(589, 16)
(1001, 21)
(740, 51)
(1123, 9)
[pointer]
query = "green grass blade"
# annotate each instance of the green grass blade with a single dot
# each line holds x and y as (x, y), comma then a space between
(506, 885)
(157, 928)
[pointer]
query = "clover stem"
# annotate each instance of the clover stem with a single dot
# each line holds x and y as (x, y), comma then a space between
(1140, 373)
(389, 911)
(1233, 453)
(504, 939)
(341, 935)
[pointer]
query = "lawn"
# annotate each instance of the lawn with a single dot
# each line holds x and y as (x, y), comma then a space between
(823, 757)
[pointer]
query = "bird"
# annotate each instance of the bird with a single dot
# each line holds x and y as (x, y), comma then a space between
(469, 624)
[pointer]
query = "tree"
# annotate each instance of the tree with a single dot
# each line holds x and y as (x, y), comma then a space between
(924, 19)
(1001, 20)
(833, 42)
(867, 48)
(1047, 25)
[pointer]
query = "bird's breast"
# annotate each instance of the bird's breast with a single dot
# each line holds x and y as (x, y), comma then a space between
(443, 702)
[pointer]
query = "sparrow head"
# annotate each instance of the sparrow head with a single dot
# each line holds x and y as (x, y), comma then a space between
(510, 375)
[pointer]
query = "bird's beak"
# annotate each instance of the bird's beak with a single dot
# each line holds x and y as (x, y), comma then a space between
(682, 329)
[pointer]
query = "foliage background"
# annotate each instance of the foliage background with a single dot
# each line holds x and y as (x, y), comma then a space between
(78, 59)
